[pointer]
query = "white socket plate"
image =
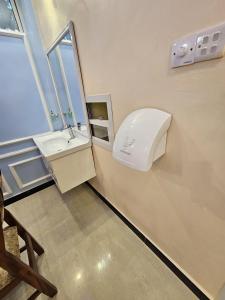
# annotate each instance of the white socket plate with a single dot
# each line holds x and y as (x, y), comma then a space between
(200, 46)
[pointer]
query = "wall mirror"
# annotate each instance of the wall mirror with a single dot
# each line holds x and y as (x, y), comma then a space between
(65, 70)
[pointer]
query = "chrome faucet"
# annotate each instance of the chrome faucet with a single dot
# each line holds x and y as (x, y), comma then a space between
(71, 133)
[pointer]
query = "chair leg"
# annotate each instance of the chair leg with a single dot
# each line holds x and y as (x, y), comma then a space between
(9, 287)
(22, 249)
(30, 253)
(37, 247)
(12, 221)
(25, 273)
(34, 295)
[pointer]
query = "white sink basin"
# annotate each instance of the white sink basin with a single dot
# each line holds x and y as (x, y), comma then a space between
(58, 144)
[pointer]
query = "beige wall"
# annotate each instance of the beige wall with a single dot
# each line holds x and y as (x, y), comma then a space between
(124, 48)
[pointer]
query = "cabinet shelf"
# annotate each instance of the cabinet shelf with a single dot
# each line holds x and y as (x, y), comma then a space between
(99, 122)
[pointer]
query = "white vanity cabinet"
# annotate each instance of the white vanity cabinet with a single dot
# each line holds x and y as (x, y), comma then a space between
(73, 169)
(69, 161)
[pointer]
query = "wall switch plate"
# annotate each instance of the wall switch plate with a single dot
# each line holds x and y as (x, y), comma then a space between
(182, 52)
(204, 45)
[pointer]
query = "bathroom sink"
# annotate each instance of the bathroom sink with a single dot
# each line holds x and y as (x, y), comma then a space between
(57, 144)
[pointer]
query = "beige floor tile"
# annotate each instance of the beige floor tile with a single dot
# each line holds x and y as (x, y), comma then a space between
(90, 254)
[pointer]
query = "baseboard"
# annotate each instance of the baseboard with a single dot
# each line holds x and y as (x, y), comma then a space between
(200, 294)
(28, 193)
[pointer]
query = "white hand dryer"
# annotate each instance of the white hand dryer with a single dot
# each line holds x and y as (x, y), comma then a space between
(141, 138)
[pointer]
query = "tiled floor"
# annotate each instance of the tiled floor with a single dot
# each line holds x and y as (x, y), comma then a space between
(90, 254)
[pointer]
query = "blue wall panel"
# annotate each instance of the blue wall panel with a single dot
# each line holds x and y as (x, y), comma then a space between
(31, 170)
(40, 59)
(16, 146)
(38, 169)
(21, 111)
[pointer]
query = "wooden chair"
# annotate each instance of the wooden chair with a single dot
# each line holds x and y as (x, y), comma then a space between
(12, 269)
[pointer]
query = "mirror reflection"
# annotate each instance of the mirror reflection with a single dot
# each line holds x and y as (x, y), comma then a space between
(64, 66)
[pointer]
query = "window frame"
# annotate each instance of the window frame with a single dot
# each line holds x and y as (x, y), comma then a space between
(11, 33)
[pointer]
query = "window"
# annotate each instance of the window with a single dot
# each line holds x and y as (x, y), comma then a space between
(7, 17)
